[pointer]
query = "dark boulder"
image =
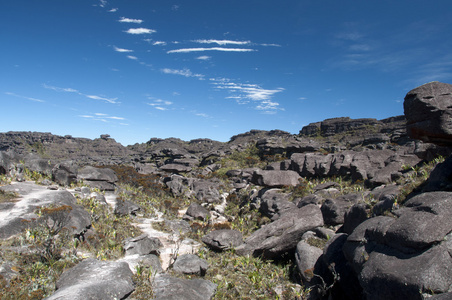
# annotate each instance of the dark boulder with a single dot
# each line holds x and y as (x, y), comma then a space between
(429, 114)
(166, 287)
(333, 210)
(142, 245)
(93, 279)
(196, 212)
(282, 235)
(223, 239)
(190, 264)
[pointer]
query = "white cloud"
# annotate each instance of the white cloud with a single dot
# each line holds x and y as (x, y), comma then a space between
(132, 57)
(127, 20)
(102, 117)
(159, 104)
(70, 90)
(204, 57)
(24, 97)
(94, 97)
(159, 43)
(58, 89)
(122, 50)
(113, 10)
(140, 31)
(103, 3)
(187, 50)
(183, 72)
(222, 42)
(244, 93)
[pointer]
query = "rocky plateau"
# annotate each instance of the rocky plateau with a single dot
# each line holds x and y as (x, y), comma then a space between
(337, 202)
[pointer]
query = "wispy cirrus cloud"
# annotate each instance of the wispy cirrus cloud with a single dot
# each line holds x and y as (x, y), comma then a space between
(122, 50)
(128, 20)
(24, 97)
(70, 90)
(245, 93)
(132, 57)
(102, 117)
(222, 42)
(159, 104)
(187, 50)
(140, 31)
(113, 10)
(182, 72)
(204, 57)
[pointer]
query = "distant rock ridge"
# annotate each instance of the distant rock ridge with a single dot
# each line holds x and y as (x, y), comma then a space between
(333, 126)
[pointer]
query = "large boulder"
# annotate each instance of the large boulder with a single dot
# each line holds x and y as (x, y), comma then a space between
(190, 264)
(100, 178)
(16, 215)
(282, 235)
(93, 279)
(428, 110)
(406, 256)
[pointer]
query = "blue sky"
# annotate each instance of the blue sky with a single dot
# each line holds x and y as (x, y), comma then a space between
(213, 69)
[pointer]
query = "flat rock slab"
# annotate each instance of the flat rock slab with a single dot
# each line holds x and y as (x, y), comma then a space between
(94, 279)
(14, 217)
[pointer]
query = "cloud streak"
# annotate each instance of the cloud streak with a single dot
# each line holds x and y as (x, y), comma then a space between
(183, 72)
(70, 90)
(187, 50)
(222, 42)
(122, 50)
(140, 30)
(24, 97)
(127, 20)
(103, 117)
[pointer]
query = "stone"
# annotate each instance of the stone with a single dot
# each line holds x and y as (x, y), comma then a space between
(282, 235)
(93, 279)
(274, 203)
(97, 174)
(306, 257)
(354, 216)
(422, 222)
(125, 207)
(64, 174)
(190, 264)
(196, 212)
(142, 245)
(223, 239)
(166, 287)
(428, 112)
(175, 168)
(333, 210)
(271, 178)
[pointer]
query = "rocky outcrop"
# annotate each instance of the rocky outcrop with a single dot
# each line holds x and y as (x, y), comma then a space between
(93, 279)
(429, 114)
(282, 235)
(16, 215)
